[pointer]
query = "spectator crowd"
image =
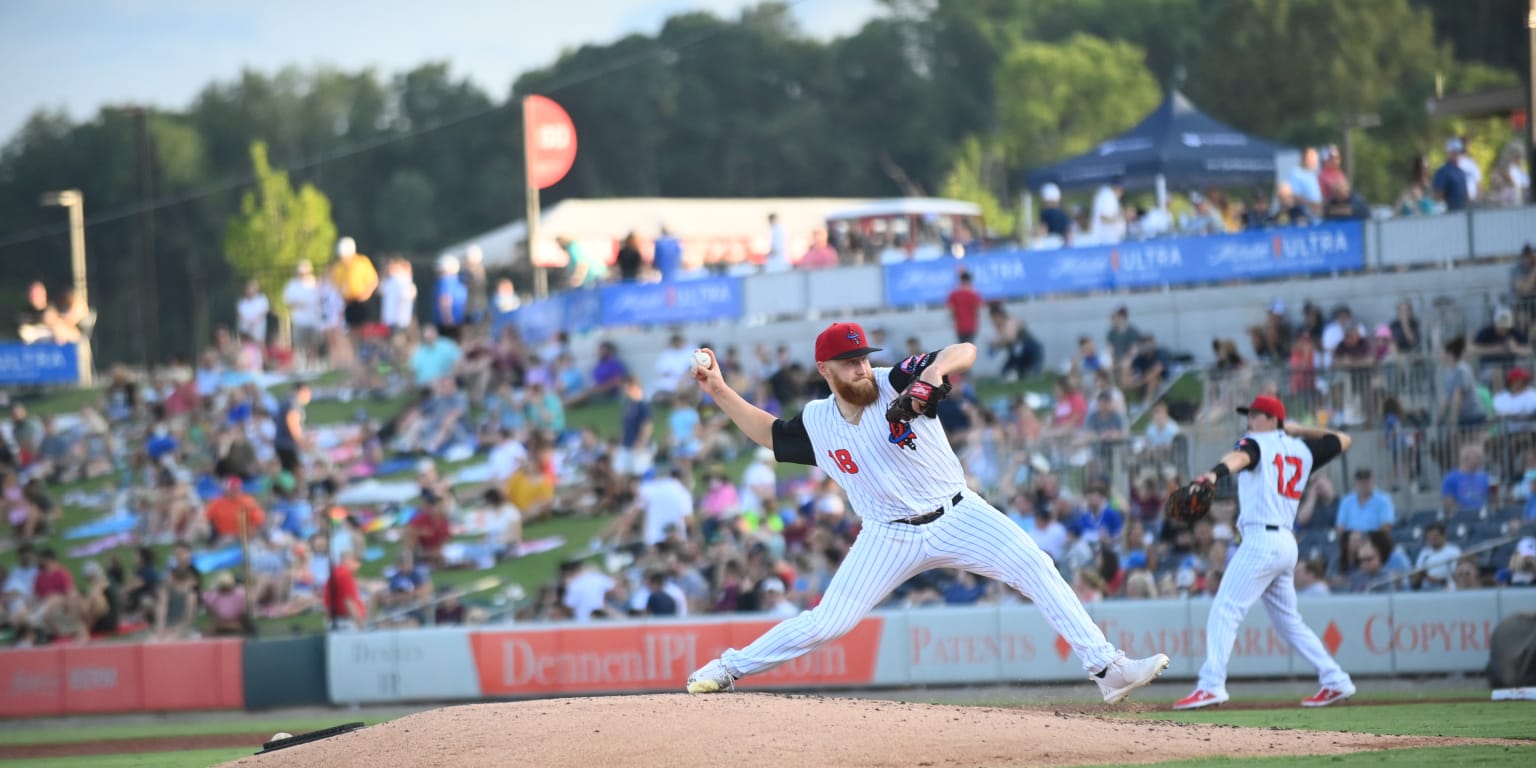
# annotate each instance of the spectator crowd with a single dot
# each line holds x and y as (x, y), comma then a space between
(224, 504)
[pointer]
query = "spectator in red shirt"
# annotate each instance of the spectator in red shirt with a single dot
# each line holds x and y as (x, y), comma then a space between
(965, 307)
(54, 590)
(52, 578)
(429, 530)
(343, 599)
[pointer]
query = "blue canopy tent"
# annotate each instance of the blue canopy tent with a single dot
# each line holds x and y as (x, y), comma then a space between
(1176, 143)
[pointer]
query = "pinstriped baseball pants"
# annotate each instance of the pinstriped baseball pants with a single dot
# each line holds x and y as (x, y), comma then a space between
(1264, 566)
(971, 536)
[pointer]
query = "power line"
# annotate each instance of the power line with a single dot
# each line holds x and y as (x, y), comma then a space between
(357, 148)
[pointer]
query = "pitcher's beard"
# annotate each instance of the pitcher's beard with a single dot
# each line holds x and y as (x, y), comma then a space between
(858, 393)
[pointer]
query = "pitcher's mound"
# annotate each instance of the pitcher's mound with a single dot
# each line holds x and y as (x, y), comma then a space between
(774, 731)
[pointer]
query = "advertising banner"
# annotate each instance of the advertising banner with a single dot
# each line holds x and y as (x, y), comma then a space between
(1015, 273)
(42, 363)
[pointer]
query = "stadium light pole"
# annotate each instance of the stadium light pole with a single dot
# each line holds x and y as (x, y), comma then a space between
(74, 202)
(1530, 84)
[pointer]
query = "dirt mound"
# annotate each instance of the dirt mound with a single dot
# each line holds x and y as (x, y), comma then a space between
(746, 730)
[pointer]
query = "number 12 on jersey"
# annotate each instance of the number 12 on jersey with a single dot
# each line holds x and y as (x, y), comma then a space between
(1287, 486)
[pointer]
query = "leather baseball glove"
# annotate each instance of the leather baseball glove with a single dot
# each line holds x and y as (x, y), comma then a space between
(1190, 502)
(919, 392)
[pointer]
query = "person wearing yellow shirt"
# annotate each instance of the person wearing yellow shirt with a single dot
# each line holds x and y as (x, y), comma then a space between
(354, 275)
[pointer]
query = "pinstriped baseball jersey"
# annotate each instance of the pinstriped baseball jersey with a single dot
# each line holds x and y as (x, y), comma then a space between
(887, 473)
(1269, 490)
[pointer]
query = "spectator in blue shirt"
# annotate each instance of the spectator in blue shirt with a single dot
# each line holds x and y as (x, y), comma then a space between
(452, 298)
(1465, 489)
(1098, 521)
(1450, 182)
(1367, 509)
(667, 255)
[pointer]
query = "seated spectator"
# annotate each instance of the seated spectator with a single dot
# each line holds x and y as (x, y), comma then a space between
(226, 606)
(1089, 360)
(1437, 560)
(1049, 534)
(408, 588)
(1272, 339)
(1149, 368)
(1465, 489)
(1367, 510)
(1368, 576)
(1500, 344)
(1162, 429)
(179, 596)
(545, 412)
(434, 358)
(674, 367)
(1105, 422)
(1466, 576)
(1024, 355)
(1521, 571)
(1518, 400)
(439, 423)
(502, 524)
(1121, 336)
(429, 530)
(1097, 520)
(1071, 410)
(1309, 579)
(1354, 350)
(101, 600)
(235, 514)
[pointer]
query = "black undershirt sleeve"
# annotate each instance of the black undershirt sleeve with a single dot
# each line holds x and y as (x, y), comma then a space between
(1324, 449)
(791, 443)
(1251, 449)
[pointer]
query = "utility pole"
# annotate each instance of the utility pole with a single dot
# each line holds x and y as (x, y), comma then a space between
(1530, 94)
(150, 315)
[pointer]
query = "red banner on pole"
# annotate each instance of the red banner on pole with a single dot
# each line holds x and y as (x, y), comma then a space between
(549, 140)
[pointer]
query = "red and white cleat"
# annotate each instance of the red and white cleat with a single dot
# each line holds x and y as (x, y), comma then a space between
(1328, 696)
(1199, 699)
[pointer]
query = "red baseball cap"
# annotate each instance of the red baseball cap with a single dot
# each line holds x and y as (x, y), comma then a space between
(1269, 406)
(841, 341)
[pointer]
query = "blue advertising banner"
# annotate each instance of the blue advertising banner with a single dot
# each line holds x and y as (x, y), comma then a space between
(39, 364)
(685, 301)
(1015, 273)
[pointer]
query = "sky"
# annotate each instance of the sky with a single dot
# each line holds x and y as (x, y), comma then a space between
(81, 55)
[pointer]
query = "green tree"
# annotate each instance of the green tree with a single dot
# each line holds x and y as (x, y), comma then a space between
(1057, 100)
(974, 178)
(277, 228)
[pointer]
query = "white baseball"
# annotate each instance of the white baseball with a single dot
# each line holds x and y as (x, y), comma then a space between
(280, 736)
(702, 360)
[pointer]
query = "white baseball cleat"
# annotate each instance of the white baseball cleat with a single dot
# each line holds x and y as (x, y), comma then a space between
(1125, 675)
(1201, 698)
(711, 678)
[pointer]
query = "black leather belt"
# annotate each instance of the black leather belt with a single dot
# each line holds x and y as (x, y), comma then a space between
(1271, 527)
(931, 516)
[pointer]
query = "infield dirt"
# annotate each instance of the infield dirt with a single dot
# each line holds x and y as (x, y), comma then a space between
(744, 730)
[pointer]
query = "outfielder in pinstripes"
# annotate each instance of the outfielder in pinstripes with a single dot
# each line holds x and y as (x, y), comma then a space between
(1272, 462)
(905, 482)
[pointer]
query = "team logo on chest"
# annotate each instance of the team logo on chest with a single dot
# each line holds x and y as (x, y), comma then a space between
(902, 435)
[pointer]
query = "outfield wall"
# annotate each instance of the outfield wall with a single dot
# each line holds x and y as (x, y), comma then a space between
(1370, 635)
(1376, 635)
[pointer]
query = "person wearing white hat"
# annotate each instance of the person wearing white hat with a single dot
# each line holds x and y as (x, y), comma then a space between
(1053, 220)
(356, 279)
(773, 601)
